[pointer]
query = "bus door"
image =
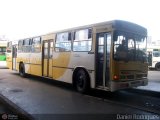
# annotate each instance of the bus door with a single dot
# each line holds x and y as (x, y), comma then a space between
(14, 56)
(47, 58)
(103, 59)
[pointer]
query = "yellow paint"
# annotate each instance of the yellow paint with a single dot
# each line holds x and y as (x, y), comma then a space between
(137, 66)
(58, 72)
(50, 68)
(17, 66)
(9, 60)
(36, 70)
(128, 66)
(9, 64)
(45, 67)
(62, 61)
(35, 60)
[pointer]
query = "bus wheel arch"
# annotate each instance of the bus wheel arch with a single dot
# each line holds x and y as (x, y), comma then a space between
(157, 66)
(22, 69)
(81, 79)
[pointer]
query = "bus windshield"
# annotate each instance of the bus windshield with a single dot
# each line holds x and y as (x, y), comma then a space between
(129, 47)
(156, 53)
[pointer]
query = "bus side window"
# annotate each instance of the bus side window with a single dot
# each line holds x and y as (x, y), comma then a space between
(27, 47)
(89, 33)
(82, 40)
(63, 42)
(150, 58)
(36, 44)
(69, 36)
(9, 47)
(20, 44)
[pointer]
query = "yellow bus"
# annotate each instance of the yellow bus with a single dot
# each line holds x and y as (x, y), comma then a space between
(88, 56)
(154, 57)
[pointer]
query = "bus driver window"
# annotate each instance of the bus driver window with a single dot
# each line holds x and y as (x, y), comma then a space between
(121, 50)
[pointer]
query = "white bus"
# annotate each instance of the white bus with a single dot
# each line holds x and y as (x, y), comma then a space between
(154, 58)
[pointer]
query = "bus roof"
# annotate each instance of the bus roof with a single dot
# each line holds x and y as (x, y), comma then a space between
(128, 26)
(115, 24)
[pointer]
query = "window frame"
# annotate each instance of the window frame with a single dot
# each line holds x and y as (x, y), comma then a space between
(20, 45)
(27, 47)
(35, 44)
(89, 39)
(70, 35)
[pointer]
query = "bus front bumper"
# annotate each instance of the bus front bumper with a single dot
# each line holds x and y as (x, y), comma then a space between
(117, 85)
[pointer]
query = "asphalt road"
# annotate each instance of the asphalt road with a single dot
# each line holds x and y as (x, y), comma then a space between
(43, 98)
(4, 109)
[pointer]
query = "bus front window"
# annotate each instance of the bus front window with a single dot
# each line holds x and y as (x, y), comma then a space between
(156, 53)
(141, 49)
(129, 47)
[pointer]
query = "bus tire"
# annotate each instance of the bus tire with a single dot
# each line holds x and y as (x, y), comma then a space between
(157, 66)
(82, 81)
(22, 70)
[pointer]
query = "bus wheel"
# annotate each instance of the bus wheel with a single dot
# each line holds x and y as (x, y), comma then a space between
(82, 81)
(157, 66)
(22, 70)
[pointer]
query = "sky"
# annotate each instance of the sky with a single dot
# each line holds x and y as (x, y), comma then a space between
(26, 18)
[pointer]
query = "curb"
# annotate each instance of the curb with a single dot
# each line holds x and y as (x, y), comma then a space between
(22, 115)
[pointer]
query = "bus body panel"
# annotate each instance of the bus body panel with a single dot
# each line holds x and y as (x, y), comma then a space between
(127, 84)
(24, 58)
(9, 60)
(50, 74)
(35, 64)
